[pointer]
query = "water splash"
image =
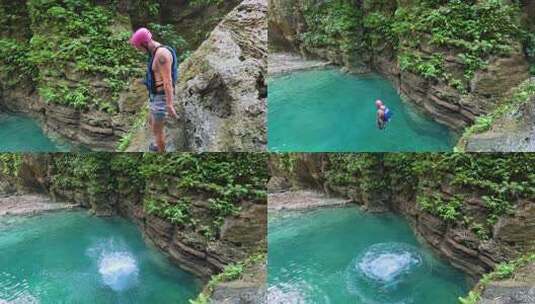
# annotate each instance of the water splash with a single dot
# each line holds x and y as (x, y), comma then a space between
(119, 270)
(388, 268)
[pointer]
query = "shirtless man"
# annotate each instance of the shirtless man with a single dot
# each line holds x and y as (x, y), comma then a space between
(159, 83)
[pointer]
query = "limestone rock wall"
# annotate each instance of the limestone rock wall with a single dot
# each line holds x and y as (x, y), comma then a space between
(513, 131)
(240, 236)
(222, 90)
(287, 24)
(437, 99)
(513, 234)
(187, 245)
(520, 289)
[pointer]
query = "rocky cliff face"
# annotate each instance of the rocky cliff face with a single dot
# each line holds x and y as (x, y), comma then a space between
(225, 85)
(512, 235)
(222, 92)
(440, 100)
(512, 129)
(187, 245)
(520, 289)
(192, 21)
(288, 24)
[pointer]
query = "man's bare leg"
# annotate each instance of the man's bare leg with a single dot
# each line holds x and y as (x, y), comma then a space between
(157, 126)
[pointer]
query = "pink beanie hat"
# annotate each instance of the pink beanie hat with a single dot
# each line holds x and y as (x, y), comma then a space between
(142, 35)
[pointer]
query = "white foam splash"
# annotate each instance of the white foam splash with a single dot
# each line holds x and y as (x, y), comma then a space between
(387, 267)
(119, 270)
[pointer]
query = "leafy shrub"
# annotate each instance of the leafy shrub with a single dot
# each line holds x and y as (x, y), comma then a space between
(333, 23)
(80, 32)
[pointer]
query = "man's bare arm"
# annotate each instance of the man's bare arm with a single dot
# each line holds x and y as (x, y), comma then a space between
(165, 62)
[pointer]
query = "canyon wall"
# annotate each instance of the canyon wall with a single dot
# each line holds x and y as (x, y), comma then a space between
(192, 226)
(222, 91)
(429, 70)
(94, 96)
(474, 239)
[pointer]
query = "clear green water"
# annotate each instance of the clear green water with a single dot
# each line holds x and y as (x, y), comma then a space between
(23, 134)
(71, 257)
(342, 255)
(329, 111)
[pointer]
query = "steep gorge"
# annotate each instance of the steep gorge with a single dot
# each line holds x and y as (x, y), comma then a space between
(462, 206)
(203, 224)
(72, 68)
(457, 61)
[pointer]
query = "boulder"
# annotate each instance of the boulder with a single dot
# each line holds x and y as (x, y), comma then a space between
(517, 290)
(222, 88)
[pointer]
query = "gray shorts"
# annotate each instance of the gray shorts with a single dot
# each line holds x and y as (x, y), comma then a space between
(158, 106)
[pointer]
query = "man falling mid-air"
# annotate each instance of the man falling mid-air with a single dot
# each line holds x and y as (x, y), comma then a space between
(383, 115)
(162, 73)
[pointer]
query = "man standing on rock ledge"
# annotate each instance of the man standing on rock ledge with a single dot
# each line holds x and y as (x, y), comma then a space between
(162, 74)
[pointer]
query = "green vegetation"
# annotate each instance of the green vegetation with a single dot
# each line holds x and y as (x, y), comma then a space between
(222, 180)
(474, 30)
(500, 180)
(90, 172)
(346, 169)
(503, 271)
(440, 40)
(529, 46)
(82, 39)
(15, 67)
(140, 120)
(230, 273)
(332, 24)
(10, 164)
(76, 53)
(496, 182)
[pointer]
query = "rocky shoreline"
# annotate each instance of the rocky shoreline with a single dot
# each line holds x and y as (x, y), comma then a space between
(302, 200)
(199, 247)
(458, 244)
(285, 63)
(30, 204)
